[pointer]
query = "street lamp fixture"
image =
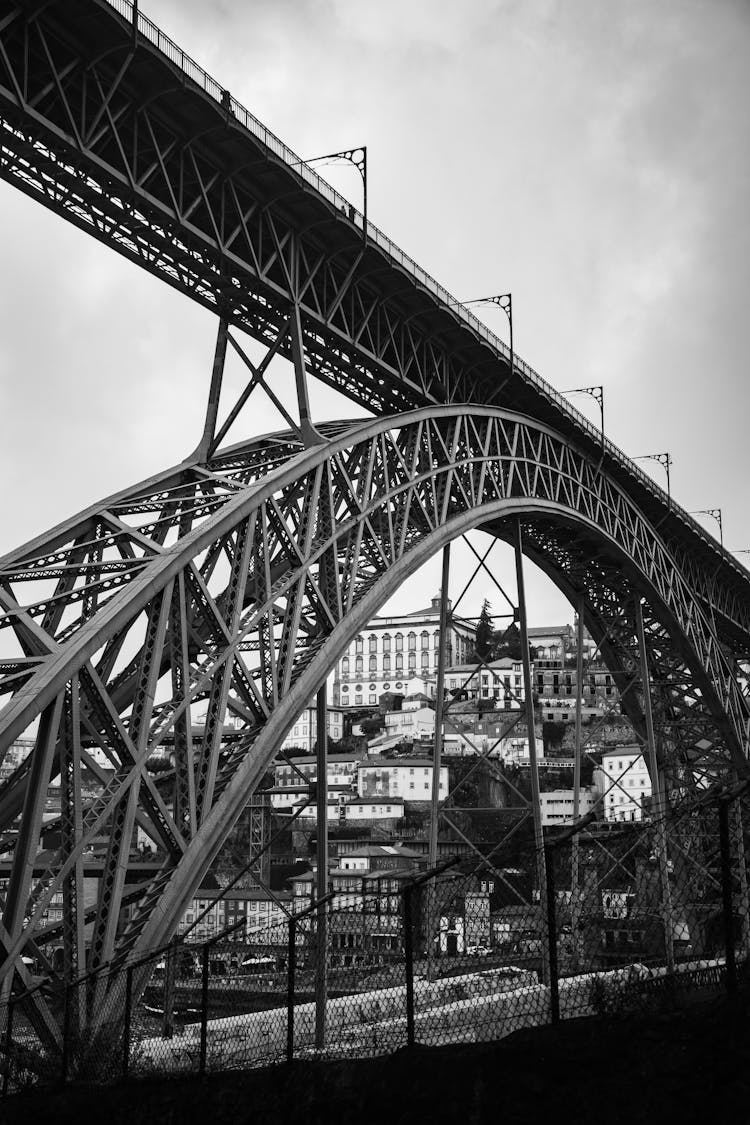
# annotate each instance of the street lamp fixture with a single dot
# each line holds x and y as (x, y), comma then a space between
(665, 460)
(714, 513)
(597, 393)
(358, 158)
(502, 301)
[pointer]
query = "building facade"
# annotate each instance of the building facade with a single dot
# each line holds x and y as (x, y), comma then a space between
(390, 651)
(624, 783)
(304, 733)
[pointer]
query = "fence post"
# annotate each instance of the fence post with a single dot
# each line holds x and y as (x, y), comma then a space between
(8, 1041)
(204, 1009)
(726, 895)
(409, 959)
(65, 1061)
(291, 964)
(549, 875)
(170, 957)
(128, 1018)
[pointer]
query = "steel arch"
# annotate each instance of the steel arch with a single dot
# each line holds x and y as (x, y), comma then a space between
(239, 584)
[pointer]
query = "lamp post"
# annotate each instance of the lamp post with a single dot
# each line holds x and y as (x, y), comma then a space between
(597, 393)
(358, 158)
(715, 514)
(502, 301)
(665, 460)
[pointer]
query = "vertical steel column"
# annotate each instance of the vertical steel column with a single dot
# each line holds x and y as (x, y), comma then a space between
(536, 810)
(743, 906)
(554, 987)
(8, 1047)
(727, 900)
(321, 874)
(440, 691)
(214, 392)
(443, 646)
(290, 985)
(659, 805)
(202, 1058)
(170, 957)
(128, 1021)
(409, 959)
(575, 895)
(309, 434)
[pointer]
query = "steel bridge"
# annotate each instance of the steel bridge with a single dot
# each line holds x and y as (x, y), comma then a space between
(239, 576)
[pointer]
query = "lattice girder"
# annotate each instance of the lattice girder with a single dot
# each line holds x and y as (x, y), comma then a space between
(249, 586)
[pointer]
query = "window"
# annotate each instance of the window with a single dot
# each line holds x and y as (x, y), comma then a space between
(399, 665)
(345, 666)
(359, 644)
(386, 663)
(412, 661)
(386, 642)
(358, 665)
(426, 661)
(399, 642)
(373, 698)
(411, 640)
(357, 700)
(436, 639)
(425, 636)
(411, 784)
(373, 643)
(373, 663)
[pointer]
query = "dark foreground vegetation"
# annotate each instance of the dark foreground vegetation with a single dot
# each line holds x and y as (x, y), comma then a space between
(692, 1066)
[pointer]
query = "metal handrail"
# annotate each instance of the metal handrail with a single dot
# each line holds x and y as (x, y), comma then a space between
(210, 86)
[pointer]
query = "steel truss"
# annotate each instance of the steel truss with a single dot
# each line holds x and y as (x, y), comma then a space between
(235, 580)
(237, 585)
(105, 121)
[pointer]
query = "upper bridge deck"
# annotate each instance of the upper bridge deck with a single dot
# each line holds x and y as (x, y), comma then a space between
(108, 122)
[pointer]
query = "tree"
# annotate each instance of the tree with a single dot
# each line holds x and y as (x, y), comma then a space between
(484, 633)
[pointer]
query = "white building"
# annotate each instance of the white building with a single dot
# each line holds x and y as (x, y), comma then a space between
(410, 723)
(292, 779)
(362, 809)
(557, 805)
(390, 651)
(500, 680)
(304, 733)
(624, 782)
(409, 778)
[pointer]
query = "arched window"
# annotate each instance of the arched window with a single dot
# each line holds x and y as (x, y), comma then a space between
(386, 662)
(359, 645)
(386, 642)
(411, 639)
(436, 639)
(345, 666)
(399, 663)
(425, 639)
(373, 642)
(412, 661)
(399, 642)
(358, 664)
(425, 661)
(373, 663)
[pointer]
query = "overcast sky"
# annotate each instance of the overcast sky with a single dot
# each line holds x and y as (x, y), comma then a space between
(591, 156)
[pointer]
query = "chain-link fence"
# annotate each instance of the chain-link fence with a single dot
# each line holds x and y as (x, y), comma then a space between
(607, 918)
